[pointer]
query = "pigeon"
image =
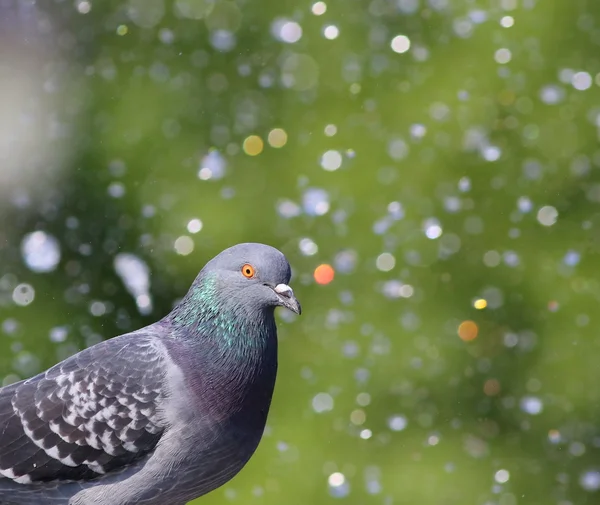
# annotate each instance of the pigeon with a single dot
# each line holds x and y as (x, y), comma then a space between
(161, 415)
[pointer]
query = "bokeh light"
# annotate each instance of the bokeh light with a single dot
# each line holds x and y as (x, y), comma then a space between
(480, 303)
(277, 137)
(253, 145)
(468, 330)
(324, 274)
(400, 44)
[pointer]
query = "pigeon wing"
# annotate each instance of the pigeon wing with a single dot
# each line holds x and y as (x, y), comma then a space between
(94, 413)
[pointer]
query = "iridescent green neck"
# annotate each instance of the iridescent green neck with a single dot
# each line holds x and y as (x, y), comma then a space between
(206, 312)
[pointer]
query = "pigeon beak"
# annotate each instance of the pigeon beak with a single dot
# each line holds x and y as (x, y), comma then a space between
(287, 298)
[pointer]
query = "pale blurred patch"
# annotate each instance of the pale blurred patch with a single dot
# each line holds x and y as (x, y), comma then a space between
(35, 128)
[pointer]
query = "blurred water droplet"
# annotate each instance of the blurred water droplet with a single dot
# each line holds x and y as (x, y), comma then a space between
(400, 44)
(366, 434)
(382, 225)
(577, 448)
(397, 149)
(345, 261)
(547, 215)
(464, 184)
(492, 258)
(491, 153)
(331, 32)
(166, 36)
(572, 258)
(330, 130)
(59, 334)
(511, 339)
(397, 422)
(350, 349)
(286, 30)
(212, 166)
(183, 245)
(331, 160)
(452, 204)
(552, 94)
(449, 244)
(511, 258)
(117, 168)
(582, 81)
(502, 55)
(533, 169)
(397, 289)
(40, 251)
(148, 211)
(315, 202)
(116, 190)
(23, 294)
(432, 228)
(531, 405)
(417, 131)
(288, 209)
(590, 480)
(385, 262)
(135, 275)
(362, 375)
(83, 6)
(10, 326)
(222, 40)
(502, 476)
(322, 402)
(439, 111)
(97, 308)
(391, 289)
(277, 138)
(395, 210)
(338, 485)
(524, 204)
(194, 226)
(308, 247)
(476, 447)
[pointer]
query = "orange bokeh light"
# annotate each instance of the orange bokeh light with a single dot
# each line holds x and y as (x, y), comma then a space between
(467, 330)
(324, 274)
(491, 387)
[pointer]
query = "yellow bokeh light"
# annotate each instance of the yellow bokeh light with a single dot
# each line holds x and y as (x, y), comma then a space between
(253, 145)
(277, 137)
(480, 304)
(122, 30)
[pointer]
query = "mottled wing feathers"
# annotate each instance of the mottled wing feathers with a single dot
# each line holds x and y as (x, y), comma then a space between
(91, 414)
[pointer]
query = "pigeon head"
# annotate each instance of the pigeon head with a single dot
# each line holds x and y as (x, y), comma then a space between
(237, 290)
(254, 276)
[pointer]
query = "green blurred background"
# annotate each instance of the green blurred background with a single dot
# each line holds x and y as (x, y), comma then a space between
(441, 155)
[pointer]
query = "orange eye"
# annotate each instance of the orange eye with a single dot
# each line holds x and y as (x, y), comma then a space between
(248, 271)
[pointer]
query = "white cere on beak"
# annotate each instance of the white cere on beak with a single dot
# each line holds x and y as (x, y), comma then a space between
(284, 289)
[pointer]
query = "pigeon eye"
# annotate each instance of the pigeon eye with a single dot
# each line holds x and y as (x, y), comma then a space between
(248, 271)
